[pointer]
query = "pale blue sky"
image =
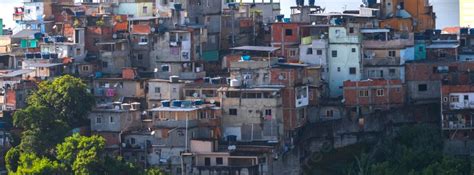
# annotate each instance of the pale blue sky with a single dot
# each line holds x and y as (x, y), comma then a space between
(447, 10)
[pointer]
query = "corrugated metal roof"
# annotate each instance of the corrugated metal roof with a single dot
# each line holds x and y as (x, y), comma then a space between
(17, 73)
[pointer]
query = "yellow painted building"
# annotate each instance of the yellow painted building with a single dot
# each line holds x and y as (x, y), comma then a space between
(466, 13)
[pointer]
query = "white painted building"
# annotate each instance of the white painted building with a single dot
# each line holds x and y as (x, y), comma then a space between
(315, 54)
(344, 58)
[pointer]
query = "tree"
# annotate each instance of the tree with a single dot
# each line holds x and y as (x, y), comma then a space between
(42, 130)
(81, 154)
(31, 164)
(66, 97)
(12, 158)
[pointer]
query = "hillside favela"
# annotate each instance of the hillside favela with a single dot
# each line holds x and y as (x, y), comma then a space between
(232, 87)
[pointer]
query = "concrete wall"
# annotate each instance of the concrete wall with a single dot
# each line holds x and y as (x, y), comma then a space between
(121, 120)
(136, 9)
(339, 66)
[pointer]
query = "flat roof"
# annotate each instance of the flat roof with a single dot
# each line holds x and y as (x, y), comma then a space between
(374, 30)
(443, 46)
(256, 48)
(16, 73)
(142, 18)
(25, 33)
(340, 14)
(44, 64)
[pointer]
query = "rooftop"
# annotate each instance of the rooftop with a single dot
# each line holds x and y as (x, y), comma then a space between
(256, 48)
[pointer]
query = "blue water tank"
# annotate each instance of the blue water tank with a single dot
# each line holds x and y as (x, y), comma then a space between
(186, 103)
(245, 58)
(177, 103)
(198, 102)
(287, 20)
(471, 31)
(464, 31)
(178, 7)
(280, 18)
(98, 74)
(165, 103)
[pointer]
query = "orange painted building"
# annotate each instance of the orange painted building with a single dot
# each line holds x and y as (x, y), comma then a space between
(407, 15)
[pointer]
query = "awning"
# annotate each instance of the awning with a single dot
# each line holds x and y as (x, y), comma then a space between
(26, 34)
(16, 73)
(36, 65)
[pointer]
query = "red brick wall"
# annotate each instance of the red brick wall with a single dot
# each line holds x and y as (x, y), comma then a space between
(393, 95)
(433, 54)
(99, 33)
(111, 138)
(278, 28)
(424, 71)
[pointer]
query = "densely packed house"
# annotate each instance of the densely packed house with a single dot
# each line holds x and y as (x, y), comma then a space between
(219, 86)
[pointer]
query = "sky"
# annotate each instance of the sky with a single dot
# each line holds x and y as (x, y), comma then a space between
(447, 10)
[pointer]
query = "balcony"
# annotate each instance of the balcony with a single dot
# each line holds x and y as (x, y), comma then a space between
(385, 61)
(354, 39)
(448, 125)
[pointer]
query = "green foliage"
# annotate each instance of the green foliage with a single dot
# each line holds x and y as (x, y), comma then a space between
(31, 164)
(66, 97)
(416, 150)
(154, 171)
(81, 154)
(12, 158)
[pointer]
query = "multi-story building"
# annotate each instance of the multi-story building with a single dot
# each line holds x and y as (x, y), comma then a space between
(365, 97)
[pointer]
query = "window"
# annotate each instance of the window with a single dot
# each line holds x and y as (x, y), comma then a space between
(37, 7)
(442, 54)
(232, 111)
(329, 113)
(352, 70)
(157, 90)
(391, 72)
(363, 93)
(466, 97)
(319, 52)
(143, 39)
(422, 87)
(380, 92)
(292, 53)
(132, 140)
(391, 53)
(98, 120)
(309, 51)
(139, 56)
(338, 69)
(105, 64)
(353, 50)
(445, 99)
(111, 118)
(207, 161)
(334, 53)
(288, 32)
(219, 161)
(455, 98)
(351, 30)
(268, 112)
(145, 9)
(85, 68)
(420, 49)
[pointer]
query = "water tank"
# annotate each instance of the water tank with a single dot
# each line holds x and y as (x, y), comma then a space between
(471, 31)
(178, 7)
(287, 20)
(126, 106)
(198, 102)
(280, 18)
(311, 2)
(235, 83)
(438, 32)
(174, 79)
(135, 106)
(177, 103)
(186, 104)
(464, 31)
(281, 60)
(245, 58)
(165, 103)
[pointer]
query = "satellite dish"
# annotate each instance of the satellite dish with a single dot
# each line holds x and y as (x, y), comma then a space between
(155, 70)
(152, 133)
(280, 77)
(153, 29)
(212, 101)
(195, 95)
(114, 36)
(160, 21)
